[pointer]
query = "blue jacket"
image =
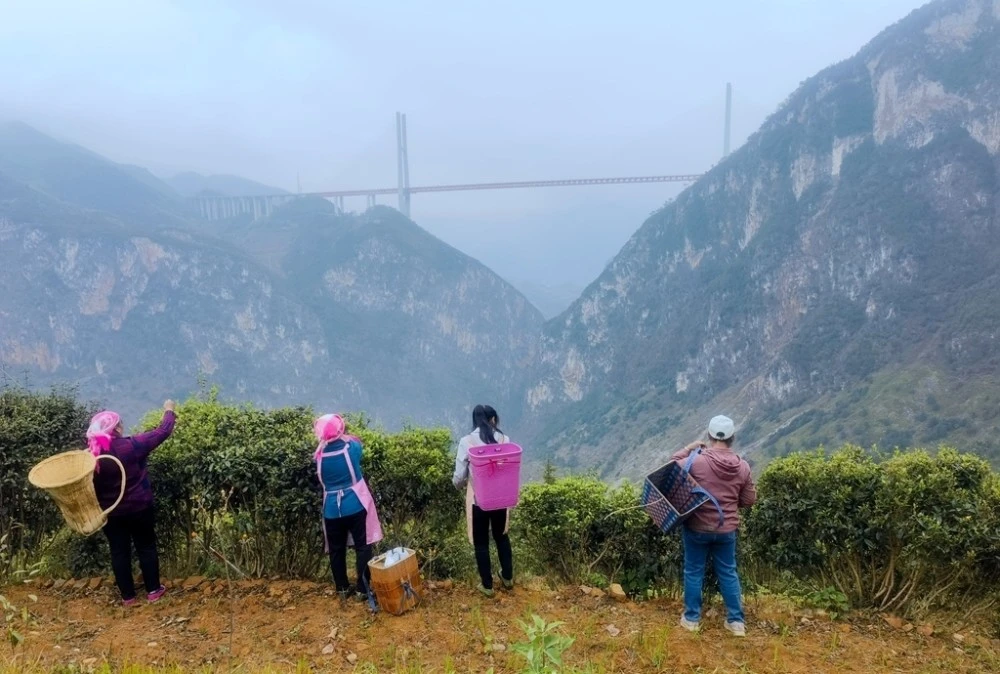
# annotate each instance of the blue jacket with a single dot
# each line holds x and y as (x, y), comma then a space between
(336, 478)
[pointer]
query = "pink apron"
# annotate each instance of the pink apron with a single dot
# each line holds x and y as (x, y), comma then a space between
(373, 528)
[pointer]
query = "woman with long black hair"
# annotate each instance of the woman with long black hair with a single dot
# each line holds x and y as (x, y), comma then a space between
(480, 523)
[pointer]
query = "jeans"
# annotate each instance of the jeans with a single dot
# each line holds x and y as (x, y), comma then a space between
(123, 531)
(336, 536)
(697, 547)
(482, 522)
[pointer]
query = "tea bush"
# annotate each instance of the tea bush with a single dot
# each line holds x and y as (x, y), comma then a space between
(243, 474)
(410, 478)
(32, 427)
(580, 526)
(909, 529)
(891, 532)
(242, 481)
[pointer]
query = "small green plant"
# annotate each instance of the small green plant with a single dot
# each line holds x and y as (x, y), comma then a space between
(544, 647)
(597, 580)
(830, 599)
(14, 618)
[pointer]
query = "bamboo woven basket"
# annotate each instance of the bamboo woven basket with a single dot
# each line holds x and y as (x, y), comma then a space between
(398, 587)
(69, 480)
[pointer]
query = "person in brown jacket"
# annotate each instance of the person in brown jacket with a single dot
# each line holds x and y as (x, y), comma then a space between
(711, 529)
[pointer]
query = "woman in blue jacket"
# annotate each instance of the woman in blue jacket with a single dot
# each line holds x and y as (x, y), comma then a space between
(349, 515)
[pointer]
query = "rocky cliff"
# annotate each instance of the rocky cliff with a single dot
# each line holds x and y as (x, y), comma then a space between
(352, 312)
(424, 330)
(133, 318)
(834, 279)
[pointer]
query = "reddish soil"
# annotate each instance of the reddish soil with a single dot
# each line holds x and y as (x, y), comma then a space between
(285, 624)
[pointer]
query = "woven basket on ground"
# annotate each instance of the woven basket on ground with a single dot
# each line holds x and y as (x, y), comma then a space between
(397, 587)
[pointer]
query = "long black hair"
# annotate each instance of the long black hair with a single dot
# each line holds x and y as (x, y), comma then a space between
(485, 418)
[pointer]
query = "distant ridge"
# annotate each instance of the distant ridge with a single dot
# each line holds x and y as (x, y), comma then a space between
(191, 184)
(77, 176)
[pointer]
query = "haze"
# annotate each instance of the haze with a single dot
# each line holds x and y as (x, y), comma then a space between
(305, 91)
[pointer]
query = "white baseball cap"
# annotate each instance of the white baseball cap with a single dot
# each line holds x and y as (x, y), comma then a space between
(721, 428)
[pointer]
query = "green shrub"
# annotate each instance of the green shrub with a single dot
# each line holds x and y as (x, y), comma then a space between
(409, 474)
(559, 519)
(941, 524)
(888, 534)
(32, 427)
(67, 554)
(242, 481)
(579, 526)
(848, 528)
(814, 510)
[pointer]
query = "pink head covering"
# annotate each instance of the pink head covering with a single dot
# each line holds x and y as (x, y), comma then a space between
(101, 431)
(328, 428)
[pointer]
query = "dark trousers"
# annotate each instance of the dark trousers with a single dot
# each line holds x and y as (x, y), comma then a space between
(336, 536)
(124, 531)
(483, 521)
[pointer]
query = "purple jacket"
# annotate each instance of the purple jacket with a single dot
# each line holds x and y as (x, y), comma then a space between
(133, 452)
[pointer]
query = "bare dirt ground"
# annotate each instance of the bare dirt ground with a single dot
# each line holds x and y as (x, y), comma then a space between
(292, 626)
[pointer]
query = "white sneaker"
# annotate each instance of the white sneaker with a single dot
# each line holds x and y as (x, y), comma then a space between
(737, 628)
(689, 625)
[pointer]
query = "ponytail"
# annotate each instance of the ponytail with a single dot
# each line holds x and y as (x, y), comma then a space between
(481, 421)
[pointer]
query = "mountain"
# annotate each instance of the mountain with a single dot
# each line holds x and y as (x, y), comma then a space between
(349, 312)
(77, 176)
(190, 184)
(425, 331)
(134, 317)
(835, 279)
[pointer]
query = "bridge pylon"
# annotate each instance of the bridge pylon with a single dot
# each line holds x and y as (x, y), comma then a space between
(402, 166)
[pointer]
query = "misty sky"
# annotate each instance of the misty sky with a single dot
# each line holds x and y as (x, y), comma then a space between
(272, 89)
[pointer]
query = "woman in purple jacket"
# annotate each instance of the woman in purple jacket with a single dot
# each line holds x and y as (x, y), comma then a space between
(133, 521)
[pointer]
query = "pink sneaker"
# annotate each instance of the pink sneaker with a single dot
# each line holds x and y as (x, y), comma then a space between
(129, 602)
(156, 594)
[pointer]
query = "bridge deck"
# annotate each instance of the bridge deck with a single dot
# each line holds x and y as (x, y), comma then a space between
(495, 186)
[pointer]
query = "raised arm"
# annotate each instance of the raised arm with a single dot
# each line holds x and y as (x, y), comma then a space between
(684, 453)
(145, 443)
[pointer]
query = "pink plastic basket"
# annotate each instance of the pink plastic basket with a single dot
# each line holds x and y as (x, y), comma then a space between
(496, 475)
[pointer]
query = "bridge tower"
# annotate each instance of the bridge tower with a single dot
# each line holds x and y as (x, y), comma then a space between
(729, 119)
(402, 165)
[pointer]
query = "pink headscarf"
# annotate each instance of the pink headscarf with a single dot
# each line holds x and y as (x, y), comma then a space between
(328, 428)
(101, 431)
